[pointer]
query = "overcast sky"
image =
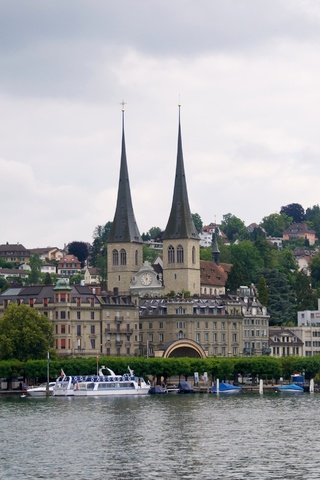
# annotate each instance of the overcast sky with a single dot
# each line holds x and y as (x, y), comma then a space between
(246, 72)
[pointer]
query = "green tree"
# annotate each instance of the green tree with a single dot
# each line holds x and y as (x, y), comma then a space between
(35, 274)
(76, 279)
(198, 223)
(263, 291)
(79, 250)
(294, 210)
(306, 299)
(47, 280)
(3, 284)
(24, 333)
(312, 217)
(155, 233)
(99, 245)
(275, 224)
(233, 227)
(149, 254)
(281, 302)
(246, 264)
(5, 264)
(315, 270)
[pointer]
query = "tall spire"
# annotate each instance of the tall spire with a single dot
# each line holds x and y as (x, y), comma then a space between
(124, 226)
(215, 247)
(180, 223)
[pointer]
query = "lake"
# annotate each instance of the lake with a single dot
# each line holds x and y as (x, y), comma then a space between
(200, 436)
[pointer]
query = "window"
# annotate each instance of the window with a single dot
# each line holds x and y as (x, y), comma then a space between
(170, 254)
(93, 343)
(123, 257)
(160, 324)
(92, 315)
(180, 254)
(63, 343)
(78, 330)
(115, 257)
(206, 337)
(198, 337)
(136, 258)
(193, 255)
(92, 329)
(63, 315)
(160, 337)
(63, 329)
(78, 315)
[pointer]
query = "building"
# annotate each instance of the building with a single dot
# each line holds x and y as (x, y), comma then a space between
(284, 342)
(300, 231)
(48, 253)
(14, 253)
(92, 276)
(86, 321)
(68, 265)
(176, 307)
(181, 301)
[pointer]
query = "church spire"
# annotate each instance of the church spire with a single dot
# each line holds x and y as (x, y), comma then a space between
(215, 247)
(124, 226)
(180, 224)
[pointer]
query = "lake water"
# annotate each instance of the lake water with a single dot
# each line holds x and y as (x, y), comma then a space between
(199, 436)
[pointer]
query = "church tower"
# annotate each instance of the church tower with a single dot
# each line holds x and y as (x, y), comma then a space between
(124, 243)
(181, 243)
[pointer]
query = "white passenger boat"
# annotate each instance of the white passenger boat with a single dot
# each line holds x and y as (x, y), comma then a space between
(41, 390)
(112, 384)
(100, 385)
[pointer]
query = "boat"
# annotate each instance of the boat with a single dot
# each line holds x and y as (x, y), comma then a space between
(100, 385)
(64, 386)
(112, 384)
(157, 390)
(40, 390)
(289, 388)
(225, 387)
(185, 387)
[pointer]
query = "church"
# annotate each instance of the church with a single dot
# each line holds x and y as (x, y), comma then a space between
(177, 307)
(183, 309)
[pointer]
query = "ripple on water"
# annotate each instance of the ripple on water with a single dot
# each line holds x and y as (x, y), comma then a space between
(171, 436)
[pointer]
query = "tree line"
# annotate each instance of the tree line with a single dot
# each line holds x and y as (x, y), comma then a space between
(267, 368)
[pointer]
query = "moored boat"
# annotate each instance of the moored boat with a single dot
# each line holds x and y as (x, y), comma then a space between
(225, 387)
(112, 384)
(289, 388)
(41, 390)
(100, 385)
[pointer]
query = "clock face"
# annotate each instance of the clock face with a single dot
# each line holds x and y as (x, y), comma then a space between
(146, 279)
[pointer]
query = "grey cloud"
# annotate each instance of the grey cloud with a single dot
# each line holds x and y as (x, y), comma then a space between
(56, 48)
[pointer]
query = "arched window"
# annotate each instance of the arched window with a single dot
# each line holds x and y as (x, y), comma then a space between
(180, 254)
(170, 254)
(193, 255)
(115, 257)
(123, 257)
(136, 257)
(180, 334)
